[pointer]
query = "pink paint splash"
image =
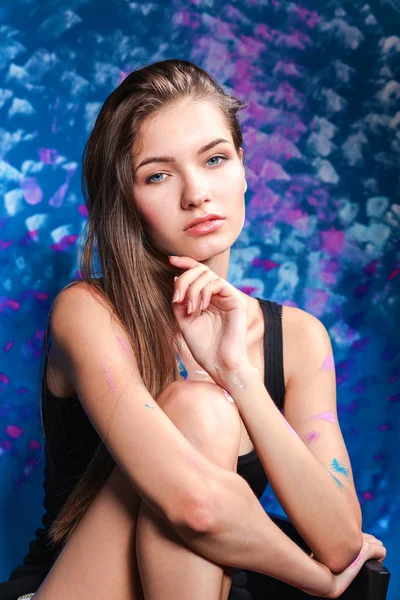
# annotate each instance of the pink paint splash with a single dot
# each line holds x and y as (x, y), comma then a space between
(327, 416)
(356, 561)
(108, 375)
(291, 428)
(312, 436)
(229, 397)
(126, 349)
(329, 363)
(194, 461)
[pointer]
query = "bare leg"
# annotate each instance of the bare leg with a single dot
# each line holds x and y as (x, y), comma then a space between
(99, 559)
(168, 568)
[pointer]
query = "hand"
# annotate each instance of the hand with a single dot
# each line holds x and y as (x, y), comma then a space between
(371, 548)
(216, 329)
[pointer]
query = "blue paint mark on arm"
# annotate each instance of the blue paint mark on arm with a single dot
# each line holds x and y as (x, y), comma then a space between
(338, 483)
(336, 466)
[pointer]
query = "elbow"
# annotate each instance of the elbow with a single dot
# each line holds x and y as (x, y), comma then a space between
(337, 564)
(194, 513)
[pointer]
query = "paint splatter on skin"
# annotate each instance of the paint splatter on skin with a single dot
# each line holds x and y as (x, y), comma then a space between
(199, 376)
(235, 378)
(148, 406)
(193, 461)
(183, 374)
(124, 345)
(312, 436)
(229, 397)
(338, 483)
(327, 416)
(291, 428)
(329, 363)
(336, 466)
(108, 375)
(356, 561)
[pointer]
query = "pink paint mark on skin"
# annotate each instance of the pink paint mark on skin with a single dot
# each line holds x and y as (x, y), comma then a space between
(312, 436)
(229, 397)
(327, 416)
(108, 375)
(356, 561)
(329, 363)
(124, 346)
(291, 428)
(193, 461)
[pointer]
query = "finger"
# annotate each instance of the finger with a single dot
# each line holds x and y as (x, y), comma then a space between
(214, 287)
(184, 280)
(377, 551)
(194, 292)
(371, 537)
(183, 262)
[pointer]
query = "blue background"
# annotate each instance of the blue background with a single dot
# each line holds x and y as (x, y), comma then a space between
(322, 145)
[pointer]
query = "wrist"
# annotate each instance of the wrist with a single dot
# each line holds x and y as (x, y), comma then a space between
(237, 379)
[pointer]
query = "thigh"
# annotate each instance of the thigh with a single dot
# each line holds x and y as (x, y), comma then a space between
(99, 558)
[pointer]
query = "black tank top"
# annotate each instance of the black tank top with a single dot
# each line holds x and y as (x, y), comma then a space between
(71, 441)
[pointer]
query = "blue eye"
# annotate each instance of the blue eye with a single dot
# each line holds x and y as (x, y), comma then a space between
(150, 179)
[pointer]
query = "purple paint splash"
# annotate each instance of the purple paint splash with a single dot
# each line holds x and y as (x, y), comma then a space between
(291, 428)
(326, 416)
(126, 349)
(329, 363)
(108, 375)
(312, 436)
(229, 397)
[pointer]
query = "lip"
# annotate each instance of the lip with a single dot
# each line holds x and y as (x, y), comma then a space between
(210, 216)
(205, 227)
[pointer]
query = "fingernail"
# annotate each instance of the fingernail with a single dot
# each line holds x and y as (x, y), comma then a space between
(189, 307)
(175, 278)
(176, 296)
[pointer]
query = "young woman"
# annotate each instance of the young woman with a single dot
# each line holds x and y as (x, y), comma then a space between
(153, 480)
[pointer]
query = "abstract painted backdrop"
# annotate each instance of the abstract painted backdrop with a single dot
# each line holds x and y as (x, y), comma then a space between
(322, 148)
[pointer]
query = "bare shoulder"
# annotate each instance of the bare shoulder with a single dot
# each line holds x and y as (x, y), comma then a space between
(83, 320)
(305, 339)
(77, 303)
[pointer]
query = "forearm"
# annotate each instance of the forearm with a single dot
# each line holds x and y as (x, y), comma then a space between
(320, 510)
(243, 536)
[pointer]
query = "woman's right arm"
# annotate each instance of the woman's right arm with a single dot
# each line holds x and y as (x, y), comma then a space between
(213, 510)
(99, 362)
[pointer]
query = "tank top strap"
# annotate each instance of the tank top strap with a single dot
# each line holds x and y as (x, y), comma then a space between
(273, 351)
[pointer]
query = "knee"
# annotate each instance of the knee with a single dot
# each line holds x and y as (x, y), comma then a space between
(202, 409)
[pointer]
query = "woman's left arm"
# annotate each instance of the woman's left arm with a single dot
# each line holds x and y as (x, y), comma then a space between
(303, 453)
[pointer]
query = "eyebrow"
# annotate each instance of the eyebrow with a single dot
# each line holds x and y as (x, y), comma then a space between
(171, 159)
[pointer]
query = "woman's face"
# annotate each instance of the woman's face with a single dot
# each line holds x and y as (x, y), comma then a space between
(171, 193)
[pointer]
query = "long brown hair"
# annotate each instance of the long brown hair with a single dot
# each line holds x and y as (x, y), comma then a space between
(137, 279)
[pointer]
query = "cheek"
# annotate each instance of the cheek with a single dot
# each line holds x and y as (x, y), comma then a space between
(233, 183)
(155, 222)
(151, 212)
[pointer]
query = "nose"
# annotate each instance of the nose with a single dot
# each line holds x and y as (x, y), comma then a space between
(194, 193)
